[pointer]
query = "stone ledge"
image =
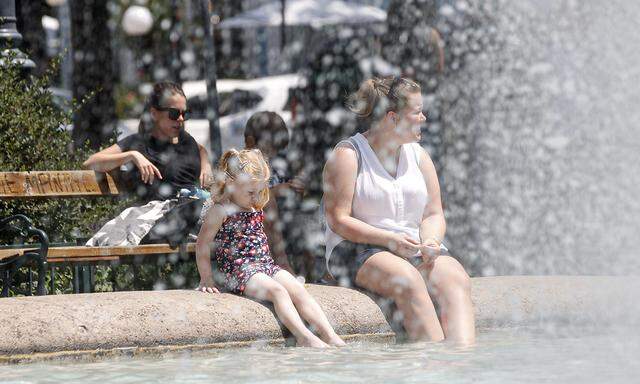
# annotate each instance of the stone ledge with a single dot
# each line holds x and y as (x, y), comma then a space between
(508, 301)
(78, 324)
(129, 323)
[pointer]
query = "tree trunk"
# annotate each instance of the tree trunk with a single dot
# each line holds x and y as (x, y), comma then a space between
(93, 72)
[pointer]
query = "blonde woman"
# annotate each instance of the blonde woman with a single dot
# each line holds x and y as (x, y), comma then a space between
(385, 218)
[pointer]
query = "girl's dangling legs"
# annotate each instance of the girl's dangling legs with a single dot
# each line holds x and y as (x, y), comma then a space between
(308, 308)
(263, 287)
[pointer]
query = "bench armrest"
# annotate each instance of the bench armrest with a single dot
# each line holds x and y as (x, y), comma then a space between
(6, 222)
(23, 227)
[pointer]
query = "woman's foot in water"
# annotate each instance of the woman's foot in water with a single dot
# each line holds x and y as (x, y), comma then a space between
(312, 341)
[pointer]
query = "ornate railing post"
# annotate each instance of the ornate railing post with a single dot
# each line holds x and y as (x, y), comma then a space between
(10, 38)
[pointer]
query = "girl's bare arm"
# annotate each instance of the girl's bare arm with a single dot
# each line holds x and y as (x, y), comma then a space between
(211, 224)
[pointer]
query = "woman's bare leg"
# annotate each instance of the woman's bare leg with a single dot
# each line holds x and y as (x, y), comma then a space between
(393, 277)
(263, 287)
(451, 287)
(308, 308)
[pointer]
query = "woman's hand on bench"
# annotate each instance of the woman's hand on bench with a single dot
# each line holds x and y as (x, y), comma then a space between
(207, 286)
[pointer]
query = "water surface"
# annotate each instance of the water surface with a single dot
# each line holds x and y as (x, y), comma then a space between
(500, 356)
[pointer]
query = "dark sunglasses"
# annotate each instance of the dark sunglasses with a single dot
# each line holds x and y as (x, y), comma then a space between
(175, 113)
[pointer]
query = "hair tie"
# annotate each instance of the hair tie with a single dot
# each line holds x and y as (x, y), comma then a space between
(377, 85)
(397, 80)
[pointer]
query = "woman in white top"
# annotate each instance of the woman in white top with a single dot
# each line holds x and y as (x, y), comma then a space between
(385, 218)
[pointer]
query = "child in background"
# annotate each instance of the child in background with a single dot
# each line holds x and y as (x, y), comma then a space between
(267, 132)
(234, 224)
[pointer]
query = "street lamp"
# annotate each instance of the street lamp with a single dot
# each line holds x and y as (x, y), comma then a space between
(137, 20)
(10, 38)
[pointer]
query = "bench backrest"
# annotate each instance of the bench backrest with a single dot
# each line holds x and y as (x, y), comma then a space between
(56, 184)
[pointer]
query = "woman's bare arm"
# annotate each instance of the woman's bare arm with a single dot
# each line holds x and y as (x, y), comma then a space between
(339, 180)
(433, 225)
(205, 166)
(113, 157)
(108, 159)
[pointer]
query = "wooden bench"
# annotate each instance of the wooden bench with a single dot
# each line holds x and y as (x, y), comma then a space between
(67, 184)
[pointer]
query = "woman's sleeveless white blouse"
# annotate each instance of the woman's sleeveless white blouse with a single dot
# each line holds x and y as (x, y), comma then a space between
(392, 203)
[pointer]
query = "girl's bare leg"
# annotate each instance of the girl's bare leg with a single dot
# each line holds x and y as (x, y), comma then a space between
(308, 308)
(263, 287)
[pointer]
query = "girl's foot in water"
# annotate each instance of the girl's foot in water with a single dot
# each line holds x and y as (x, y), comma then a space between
(335, 340)
(312, 341)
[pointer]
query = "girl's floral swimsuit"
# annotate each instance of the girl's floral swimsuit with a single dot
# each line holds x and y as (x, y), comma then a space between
(242, 249)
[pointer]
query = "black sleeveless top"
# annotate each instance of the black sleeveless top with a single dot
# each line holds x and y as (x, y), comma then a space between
(179, 165)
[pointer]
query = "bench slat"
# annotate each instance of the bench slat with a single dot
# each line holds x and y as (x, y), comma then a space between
(146, 249)
(61, 260)
(82, 253)
(56, 184)
(7, 253)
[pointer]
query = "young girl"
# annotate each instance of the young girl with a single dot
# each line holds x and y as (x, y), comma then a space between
(234, 226)
(268, 132)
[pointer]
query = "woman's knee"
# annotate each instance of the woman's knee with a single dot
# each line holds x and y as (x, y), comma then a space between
(408, 285)
(391, 277)
(448, 276)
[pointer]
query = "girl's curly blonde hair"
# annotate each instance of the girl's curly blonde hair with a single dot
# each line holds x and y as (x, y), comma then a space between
(234, 163)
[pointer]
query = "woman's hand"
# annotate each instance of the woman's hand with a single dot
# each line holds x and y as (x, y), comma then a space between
(298, 185)
(430, 250)
(148, 171)
(206, 174)
(402, 245)
(207, 286)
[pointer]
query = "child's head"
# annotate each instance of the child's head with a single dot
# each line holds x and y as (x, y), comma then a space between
(242, 178)
(267, 132)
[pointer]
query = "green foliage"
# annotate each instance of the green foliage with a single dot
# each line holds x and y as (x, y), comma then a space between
(129, 103)
(34, 137)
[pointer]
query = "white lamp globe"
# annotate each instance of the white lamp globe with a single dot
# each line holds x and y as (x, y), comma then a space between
(137, 20)
(55, 3)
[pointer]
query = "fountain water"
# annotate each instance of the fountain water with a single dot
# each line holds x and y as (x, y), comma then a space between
(538, 125)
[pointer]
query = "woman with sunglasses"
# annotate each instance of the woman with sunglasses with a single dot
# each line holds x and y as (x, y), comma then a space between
(162, 161)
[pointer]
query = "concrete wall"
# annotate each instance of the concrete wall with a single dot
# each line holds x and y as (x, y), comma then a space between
(92, 325)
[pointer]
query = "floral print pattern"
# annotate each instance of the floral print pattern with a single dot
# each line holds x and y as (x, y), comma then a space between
(241, 249)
